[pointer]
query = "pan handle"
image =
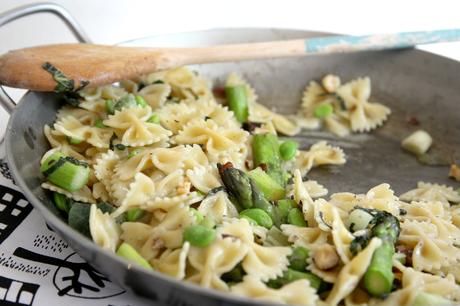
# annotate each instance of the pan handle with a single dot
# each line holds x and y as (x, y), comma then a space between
(5, 100)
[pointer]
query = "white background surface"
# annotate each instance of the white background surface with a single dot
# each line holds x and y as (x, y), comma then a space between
(113, 21)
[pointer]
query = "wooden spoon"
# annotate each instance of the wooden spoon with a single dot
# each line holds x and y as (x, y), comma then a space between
(102, 65)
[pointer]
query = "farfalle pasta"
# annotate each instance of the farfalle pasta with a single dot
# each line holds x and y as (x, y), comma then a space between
(344, 108)
(168, 173)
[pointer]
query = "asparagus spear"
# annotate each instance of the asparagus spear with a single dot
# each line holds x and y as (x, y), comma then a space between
(291, 275)
(237, 102)
(242, 190)
(270, 188)
(379, 277)
(426, 299)
(265, 149)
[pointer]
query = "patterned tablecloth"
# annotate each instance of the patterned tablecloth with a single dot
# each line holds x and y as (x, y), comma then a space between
(39, 268)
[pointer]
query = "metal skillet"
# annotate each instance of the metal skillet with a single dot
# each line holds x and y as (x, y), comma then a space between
(412, 83)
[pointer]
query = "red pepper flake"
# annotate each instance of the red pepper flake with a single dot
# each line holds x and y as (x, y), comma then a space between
(219, 92)
(263, 167)
(222, 168)
(413, 121)
(406, 251)
(247, 164)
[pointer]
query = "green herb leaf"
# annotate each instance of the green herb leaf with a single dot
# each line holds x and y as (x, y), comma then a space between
(65, 87)
(64, 84)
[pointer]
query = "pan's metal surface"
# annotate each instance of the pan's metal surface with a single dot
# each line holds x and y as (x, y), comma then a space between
(410, 82)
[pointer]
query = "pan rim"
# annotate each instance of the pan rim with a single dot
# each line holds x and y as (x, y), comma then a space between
(88, 244)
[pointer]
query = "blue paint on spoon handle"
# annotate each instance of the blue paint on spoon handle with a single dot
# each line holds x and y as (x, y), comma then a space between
(336, 44)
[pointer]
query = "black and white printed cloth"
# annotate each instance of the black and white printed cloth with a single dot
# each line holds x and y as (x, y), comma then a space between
(39, 268)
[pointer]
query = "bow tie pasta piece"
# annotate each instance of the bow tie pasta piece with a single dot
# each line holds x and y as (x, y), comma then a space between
(339, 125)
(380, 197)
(432, 192)
(455, 211)
(127, 167)
(100, 192)
(314, 189)
(97, 107)
(91, 94)
(319, 154)
(204, 178)
(119, 189)
(55, 138)
(435, 213)
(213, 261)
(165, 204)
(104, 167)
(174, 116)
(79, 131)
(155, 94)
(130, 86)
(157, 77)
(85, 117)
(266, 263)
(104, 229)
(209, 134)
(219, 143)
(218, 207)
(173, 262)
(237, 228)
(170, 229)
(349, 104)
(139, 236)
(315, 96)
(139, 192)
(59, 143)
(430, 252)
(112, 92)
(298, 292)
(351, 273)
(262, 262)
(364, 116)
(172, 184)
(82, 195)
(183, 157)
(323, 213)
(187, 84)
(342, 237)
(453, 271)
(307, 237)
(131, 126)
(302, 197)
(282, 124)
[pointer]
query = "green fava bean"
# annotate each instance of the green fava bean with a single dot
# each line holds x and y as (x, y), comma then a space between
(134, 214)
(295, 217)
(298, 259)
(288, 149)
(198, 216)
(259, 216)
(323, 110)
(199, 235)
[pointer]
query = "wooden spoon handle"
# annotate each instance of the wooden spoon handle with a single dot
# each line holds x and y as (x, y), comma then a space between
(320, 45)
(102, 65)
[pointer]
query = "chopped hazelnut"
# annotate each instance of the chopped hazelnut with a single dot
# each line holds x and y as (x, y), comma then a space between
(454, 172)
(325, 257)
(331, 82)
